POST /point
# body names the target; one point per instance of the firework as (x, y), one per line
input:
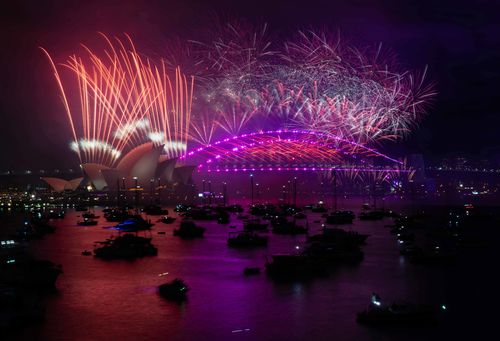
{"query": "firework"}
(329, 87)
(234, 64)
(314, 81)
(349, 98)
(124, 100)
(204, 125)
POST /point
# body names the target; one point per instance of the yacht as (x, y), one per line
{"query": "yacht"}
(175, 290)
(127, 246)
(189, 230)
(246, 239)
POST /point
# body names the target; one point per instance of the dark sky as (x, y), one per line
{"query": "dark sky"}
(459, 40)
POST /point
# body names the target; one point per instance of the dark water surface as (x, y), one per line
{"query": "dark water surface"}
(117, 300)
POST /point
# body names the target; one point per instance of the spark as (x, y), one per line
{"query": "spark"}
(124, 99)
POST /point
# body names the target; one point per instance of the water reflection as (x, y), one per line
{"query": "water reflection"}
(102, 300)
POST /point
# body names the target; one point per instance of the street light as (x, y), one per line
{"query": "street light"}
(136, 189)
(335, 189)
(210, 192)
(125, 197)
(295, 191)
(151, 190)
(203, 191)
(159, 191)
(117, 192)
(251, 185)
(289, 192)
(224, 192)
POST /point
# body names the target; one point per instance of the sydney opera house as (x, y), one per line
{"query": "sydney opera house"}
(139, 167)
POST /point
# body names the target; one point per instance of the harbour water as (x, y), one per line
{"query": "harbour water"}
(117, 300)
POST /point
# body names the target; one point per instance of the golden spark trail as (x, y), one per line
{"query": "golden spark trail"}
(122, 100)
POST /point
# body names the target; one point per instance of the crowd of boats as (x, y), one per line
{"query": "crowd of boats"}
(25, 280)
(422, 238)
(425, 238)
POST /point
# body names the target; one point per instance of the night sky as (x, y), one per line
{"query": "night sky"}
(458, 40)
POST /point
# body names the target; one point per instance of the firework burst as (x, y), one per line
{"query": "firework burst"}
(124, 100)
(245, 84)
(327, 86)
(315, 81)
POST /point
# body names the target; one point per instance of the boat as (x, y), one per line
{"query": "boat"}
(319, 208)
(340, 236)
(200, 213)
(290, 227)
(246, 239)
(251, 271)
(25, 272)
(262, 209)
(10, 248)
(154, 210)
(295, 265)
(340, 218)
(90, 215)
(167, 220)
(234, 208)
(35, 229)
(254, 224)
(189, 230)
(86, 222)
(175, 290)
(371, 215)
(397, 313)
(117, 215)
(133, 224)
(126, 246)
(300, 215)
(86, 253)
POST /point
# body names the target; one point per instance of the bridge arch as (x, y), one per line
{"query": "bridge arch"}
(289, 150)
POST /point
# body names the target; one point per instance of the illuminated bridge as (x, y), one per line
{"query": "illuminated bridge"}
(289, 150)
